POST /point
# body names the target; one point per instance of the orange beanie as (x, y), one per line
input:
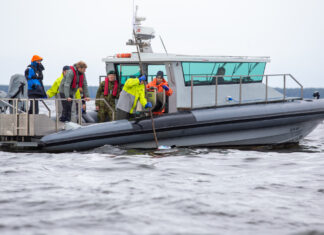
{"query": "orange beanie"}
(36, 57)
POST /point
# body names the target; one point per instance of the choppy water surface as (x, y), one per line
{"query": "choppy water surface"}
(186, 191)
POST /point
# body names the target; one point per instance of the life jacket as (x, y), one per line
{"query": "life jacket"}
(81, 77)
(114, 90)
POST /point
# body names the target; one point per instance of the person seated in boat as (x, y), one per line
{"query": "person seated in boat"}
(108, 90)
(220, 80)
(73, 80)
(161, 84)
(54, 90)
(133, 90)
(34, 76)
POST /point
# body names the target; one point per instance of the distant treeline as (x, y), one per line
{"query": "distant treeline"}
(291, 92)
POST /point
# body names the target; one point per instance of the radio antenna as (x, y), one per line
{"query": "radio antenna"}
(133, 14)
(163, 45)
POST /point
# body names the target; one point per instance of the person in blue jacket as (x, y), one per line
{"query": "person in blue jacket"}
(34, 76)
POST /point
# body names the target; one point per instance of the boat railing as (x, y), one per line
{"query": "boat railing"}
(79, 107)
(241, 79)
(19, 107)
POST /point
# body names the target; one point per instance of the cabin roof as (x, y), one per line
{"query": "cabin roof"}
(162, 57)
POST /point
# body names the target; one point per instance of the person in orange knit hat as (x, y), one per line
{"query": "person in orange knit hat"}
(34, 76)
(160, 83)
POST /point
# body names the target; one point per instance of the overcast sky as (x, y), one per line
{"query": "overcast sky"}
(63, 32)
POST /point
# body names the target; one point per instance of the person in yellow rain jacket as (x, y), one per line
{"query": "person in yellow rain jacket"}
(133, 90)
(54, 90)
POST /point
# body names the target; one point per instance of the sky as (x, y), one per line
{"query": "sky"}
(63, 32)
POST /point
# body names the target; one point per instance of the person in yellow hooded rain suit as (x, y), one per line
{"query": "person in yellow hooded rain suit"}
(133, 90)
(54, 90)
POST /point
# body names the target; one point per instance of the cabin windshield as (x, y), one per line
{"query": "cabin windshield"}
(125, 71)
(203, 73)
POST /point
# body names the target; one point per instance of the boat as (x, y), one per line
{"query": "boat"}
(217, 101)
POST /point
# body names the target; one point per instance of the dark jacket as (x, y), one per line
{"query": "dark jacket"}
(34, 76)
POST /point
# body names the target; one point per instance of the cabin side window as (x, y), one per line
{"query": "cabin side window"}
(153, 69)
(203, 73)
(125, 71)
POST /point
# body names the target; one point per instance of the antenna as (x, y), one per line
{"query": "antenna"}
(133, 14)
(163, 45)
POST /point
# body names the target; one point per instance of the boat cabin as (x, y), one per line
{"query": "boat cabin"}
(199, 81)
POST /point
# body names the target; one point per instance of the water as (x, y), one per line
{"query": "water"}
(180, 191)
